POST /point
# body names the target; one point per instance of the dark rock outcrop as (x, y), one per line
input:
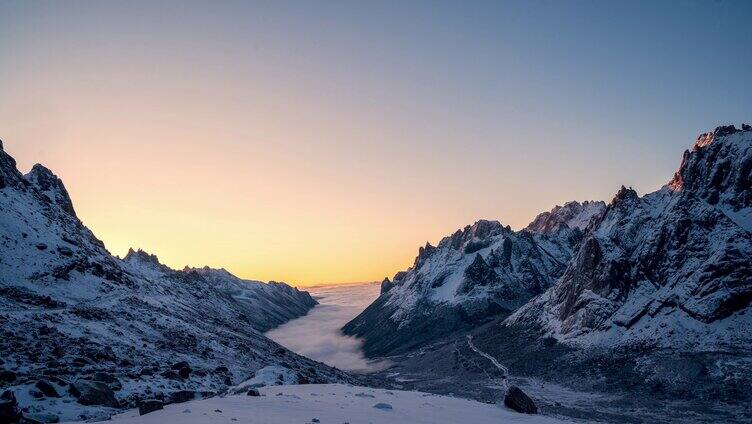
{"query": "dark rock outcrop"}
(184, 372)
(46, 388)
(518, 400)
(386, 285)
(479, 273)
(9, 410)
(149, 405)
(51, 186)
(93, 393)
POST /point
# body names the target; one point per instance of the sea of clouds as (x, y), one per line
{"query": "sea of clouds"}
(317, 335)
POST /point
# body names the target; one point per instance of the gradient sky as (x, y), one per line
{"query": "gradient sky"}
(318, 142)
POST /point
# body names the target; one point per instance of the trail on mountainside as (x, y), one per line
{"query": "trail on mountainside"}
(497, 364)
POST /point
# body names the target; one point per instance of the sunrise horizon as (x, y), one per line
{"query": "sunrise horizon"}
(174, 261)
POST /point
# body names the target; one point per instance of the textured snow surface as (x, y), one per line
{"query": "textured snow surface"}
(334, 404)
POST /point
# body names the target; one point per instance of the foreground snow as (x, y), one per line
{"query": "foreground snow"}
(333, 403)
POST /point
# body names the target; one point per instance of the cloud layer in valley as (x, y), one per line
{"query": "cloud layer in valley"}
(317, 335)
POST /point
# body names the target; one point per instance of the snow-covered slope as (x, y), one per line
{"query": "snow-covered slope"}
(481, 272)
(79, 318)
(671, 269)
(334, 403)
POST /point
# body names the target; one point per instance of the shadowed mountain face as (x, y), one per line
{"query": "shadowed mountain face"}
(670, 269)
(482, 272)
(105, 332)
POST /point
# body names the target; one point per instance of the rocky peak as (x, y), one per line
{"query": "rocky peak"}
(572, 215)
(480, 230)
(423, 253)
(9, 175)
(624, 195)
(705, 139)
(723, 130)
(208, 271)
(140, 256)
(51, 186)
(719, 168)
(386, 285)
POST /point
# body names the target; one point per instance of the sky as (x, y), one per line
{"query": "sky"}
(323, 142)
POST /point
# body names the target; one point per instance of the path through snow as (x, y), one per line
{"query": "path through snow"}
(497, 364)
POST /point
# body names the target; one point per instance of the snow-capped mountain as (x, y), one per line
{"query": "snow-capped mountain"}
(83, 333)
(479, 273)
(670, 269)
(279, 301)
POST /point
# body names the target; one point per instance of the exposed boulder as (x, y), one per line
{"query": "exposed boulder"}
(253, 392)
(184, 372)
(149, 405)
(9, 410)
(519, 401)
(46, 388)
(93, 393)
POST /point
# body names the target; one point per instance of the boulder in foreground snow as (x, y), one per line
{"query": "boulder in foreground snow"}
(93, 393)
(519, 401)
(149, 405)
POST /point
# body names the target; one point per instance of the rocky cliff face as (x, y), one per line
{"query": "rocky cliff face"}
(83, 333)
(670, 269)
(481, 272)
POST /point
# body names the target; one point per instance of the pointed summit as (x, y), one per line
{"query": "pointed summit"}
(51, 186)
(386, 285)
(141, 256)
(717, 169)
(624, 194)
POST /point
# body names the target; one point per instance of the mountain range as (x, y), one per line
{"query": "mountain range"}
(86, 334)
(646, 298)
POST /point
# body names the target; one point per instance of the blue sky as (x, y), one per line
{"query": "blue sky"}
(359, 118)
